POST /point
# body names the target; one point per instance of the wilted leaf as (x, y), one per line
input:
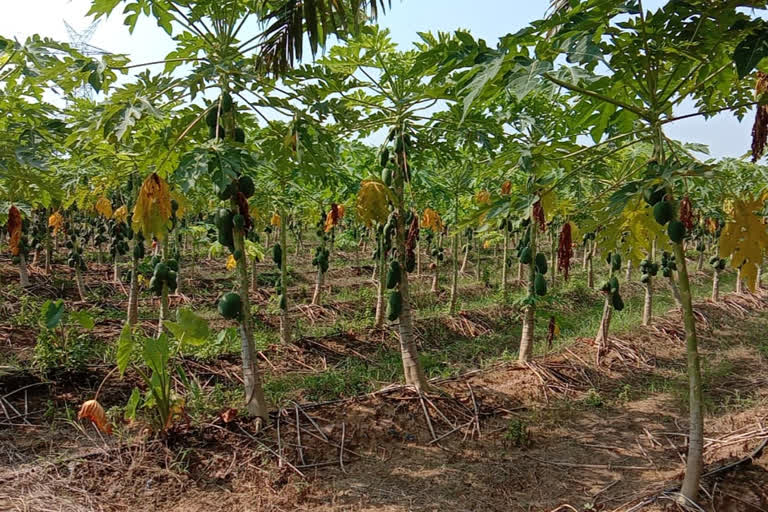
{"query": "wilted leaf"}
(14, 229)
(92, 410)
(744, 238)
(430, 219)
(104, 207)
(372, 202)
(153, 208)
(56, 221)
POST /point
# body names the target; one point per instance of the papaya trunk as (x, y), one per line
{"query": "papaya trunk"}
(529, 315)
(36, 257)
(380, 285)
(455, 276)
(133, 294)
(758, 278)
(628, 275)
(585, 256)
(23, 273)
(739, 284)
(319, 283)
(648, 302)
(418, 258)
(478, 250)
(590, 270)
(504, 266)
(48, 255)
(414, 373)
(553, 261)
(716, 285)
(436, 279)
(694, 463)
(116, 270)
(79, 282)
(700, 262)
(675, 291)
(254, 280)
(285, 325)
(163, 309)
(466, 257)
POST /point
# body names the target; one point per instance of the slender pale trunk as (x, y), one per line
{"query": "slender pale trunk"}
(585, 256)
(285, 324)
(504, 266)
(739, 284)
(436, 278)
(133, 294)
(36, 257)
(79, 282)
(414, 372)
(553, 261)
(628, 275)
(675, 291)
(23, 273)
(254, 280)
(695, 462)
(116, 269)
(466, 256)
(48, 255)
(758, 278)
(418, 258)
(380, 284)
(254, 394)
(648, 301)
(529, 314)
(605, 322)
(455, 277)
(700, 262)
(716, 285)
(590, 265)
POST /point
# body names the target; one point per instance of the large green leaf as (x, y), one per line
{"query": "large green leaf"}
(52, 313)
(124, 348)
(189, 327)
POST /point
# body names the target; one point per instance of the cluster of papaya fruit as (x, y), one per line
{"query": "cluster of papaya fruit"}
(165, 272)
(717, 263)
(526, 257)
(388, 156)
(649, 269)
(75, 256)
(664, 212)
(668, 264)
(121, 233)
(321, 259)
(277, 258)
(395, 302)
(612, 285)
(213, 119)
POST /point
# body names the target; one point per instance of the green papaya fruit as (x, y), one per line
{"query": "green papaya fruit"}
(663, 212)
(541, 263)
(616, 262)
(714, 260)
(238, 254)
(173, 265)
(211, 117)
(386, 176)
(246, 186)
(394, 306)
(526, 256)
(277, 255)
(238, 221)
(540, 284)
(240, 135)
(721, 265)
(393, 275)
(161, 271)
(617, 302)
(613, 284)
(654, 194)
(384, 158)
(226, 102)
(676, 231)
(283, 301)
(230, 305)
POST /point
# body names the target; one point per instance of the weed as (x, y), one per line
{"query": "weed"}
(593, 398)
(517, 434)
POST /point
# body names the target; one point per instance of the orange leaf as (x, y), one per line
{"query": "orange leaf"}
(229, 415)
(92, 410)
(14, 229)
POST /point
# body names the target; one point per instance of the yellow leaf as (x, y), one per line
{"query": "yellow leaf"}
(14, 229)
(121, 214)
(548, 204)
(104, 207)
(372, 202)
(181, 201)
(487, 244)
(153, 208)
(430, 219)
(231, 263)
(56, 221)
(275, 220)
(744, 238)
(483, 197)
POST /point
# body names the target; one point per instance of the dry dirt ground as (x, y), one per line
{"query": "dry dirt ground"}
(562, 433)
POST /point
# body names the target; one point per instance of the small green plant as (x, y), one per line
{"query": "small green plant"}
(593, 398)
(517, 434)
(60, 345)
(151, 359)
(625, 395)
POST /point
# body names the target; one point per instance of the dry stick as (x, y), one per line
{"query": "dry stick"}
(449, 422)
(300, 448)
(330, 443)
(426, 415)
(477, 411)
(273, 452)
(341, 450)
(279, 441)
(589, 466)
(311, 421)
(470, 422)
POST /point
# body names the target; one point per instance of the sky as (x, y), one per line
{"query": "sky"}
(487, 19)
